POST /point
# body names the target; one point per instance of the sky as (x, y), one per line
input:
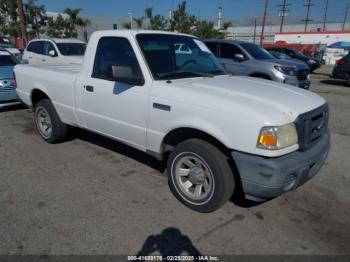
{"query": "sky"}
(232, 9)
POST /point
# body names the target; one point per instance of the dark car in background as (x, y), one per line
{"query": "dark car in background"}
(296, 54)
(341, 69)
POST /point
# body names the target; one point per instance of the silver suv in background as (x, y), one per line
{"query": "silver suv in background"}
(248, 59)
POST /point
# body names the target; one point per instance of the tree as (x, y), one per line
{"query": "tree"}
(126, 25)
(8, 14)
(36, 18)
(73, 21)
(22, 19)
(66, 25)
(156, 22)
(205, 29)
(182, 21)
(139, 22)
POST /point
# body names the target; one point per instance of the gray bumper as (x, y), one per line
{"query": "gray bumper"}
(265, 178)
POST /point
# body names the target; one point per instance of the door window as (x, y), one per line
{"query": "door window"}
(36, 47)
(115, 51)
(48, 47)
(229, 51)
(212, 46)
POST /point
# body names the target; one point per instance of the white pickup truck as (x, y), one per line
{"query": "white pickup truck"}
(224, 133)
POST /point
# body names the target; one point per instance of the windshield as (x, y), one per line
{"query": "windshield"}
(256, 51)
(176, 56)
(71, 49)
(5, 43)
(7, 60)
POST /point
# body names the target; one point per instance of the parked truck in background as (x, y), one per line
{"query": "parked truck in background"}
(224, 133)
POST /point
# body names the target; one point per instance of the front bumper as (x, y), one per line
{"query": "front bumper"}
(264, 178)
(293, 80)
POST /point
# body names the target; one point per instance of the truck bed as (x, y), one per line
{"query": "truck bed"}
(57, 81)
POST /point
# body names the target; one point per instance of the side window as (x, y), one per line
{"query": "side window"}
(212, 46)
(115, 54)
(48, 47)
(36, 47)
(229, 51)
(30, 47)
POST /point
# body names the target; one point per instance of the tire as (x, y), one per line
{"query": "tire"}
(200, 176)
(48, 123)
(348, 80)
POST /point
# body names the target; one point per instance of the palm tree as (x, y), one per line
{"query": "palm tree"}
(73, 21)
(126, 25)
(139, 22)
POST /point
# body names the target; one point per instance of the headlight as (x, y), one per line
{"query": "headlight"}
(312, 61)
(277, 137)
(286, 70)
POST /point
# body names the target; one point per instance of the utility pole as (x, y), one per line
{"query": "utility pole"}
(283, 13)
(346, 15)
(307, 20)
(263, 23)
(22, 20)
(254, 36)
(325, 16)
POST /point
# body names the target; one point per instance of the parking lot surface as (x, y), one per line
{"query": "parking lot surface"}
(92, 195)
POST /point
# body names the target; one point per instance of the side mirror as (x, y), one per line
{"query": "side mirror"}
(124, 74)
(24, 61)
(239, 57)
(52, 53)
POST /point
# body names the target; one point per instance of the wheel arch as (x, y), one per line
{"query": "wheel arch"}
(37, 95)
(180, 134)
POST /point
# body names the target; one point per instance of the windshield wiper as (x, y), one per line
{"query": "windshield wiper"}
(179, 73)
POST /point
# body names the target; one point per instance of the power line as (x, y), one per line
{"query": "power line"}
(283, 12)
(307, 20)
(325, 16)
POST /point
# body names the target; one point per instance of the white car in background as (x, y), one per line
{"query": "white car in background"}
(6, 44)
(55, 51)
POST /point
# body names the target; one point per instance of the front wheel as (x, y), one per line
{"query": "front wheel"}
(48, 123)
(200, 176)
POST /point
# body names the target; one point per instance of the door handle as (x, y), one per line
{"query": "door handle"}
(43, 60)
(89, 88)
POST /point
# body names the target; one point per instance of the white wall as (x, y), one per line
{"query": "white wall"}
(313, 38)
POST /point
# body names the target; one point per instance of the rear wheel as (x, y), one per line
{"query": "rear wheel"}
(348, 80)
(200, 176)
(47, 122)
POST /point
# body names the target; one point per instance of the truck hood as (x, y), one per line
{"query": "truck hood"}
(268, 101)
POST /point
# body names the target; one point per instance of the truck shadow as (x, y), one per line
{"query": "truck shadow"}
(117, 147)
(237, 198)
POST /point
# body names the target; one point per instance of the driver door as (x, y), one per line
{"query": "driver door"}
(115, 109)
